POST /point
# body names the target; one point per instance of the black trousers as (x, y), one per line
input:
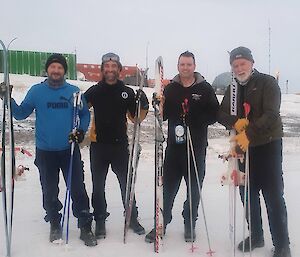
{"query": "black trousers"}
(175, 168)
(102, 155)
(265, 168)
(49, 164)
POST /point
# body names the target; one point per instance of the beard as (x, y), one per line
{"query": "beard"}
(243, 78)
(55, 78)
(111, 76)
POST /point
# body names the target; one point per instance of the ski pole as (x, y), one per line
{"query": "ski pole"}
(185, 108)
(190, 142)
(129, 169)
(76, 103)
(247, 193)
(190, 149)
(133, 158)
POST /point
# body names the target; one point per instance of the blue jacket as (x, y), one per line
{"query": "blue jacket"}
(54, 114)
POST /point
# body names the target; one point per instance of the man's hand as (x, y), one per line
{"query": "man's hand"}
(242, 140)
(241, 125)
(77, 136)
(143, 99)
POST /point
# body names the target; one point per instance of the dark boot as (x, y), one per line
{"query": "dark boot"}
(189, 235)
(87, 236)
(282, 252)
(55, 231)
(150, 237)
(256, 242)
(137, 227)
(100, 231)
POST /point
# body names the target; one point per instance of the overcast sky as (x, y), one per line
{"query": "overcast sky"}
(209, 28)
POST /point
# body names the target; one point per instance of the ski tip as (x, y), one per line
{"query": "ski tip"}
(159, 59)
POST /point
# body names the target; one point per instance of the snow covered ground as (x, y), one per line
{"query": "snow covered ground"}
(30, 232)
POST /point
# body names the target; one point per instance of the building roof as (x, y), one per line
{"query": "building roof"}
(92, 72)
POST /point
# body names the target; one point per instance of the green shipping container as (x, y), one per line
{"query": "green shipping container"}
(33, 63)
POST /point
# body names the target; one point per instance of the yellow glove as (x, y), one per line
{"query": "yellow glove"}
(242, 140)
(241, 125)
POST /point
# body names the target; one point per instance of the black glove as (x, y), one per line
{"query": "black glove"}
(143, 99)
(77, 136)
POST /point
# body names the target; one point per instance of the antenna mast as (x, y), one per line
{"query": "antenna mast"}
(269, 48)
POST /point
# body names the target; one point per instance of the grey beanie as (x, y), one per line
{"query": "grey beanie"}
(241, 52)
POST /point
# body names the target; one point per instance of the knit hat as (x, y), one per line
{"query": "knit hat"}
(111, 57)
(241, 53)
(59, 58)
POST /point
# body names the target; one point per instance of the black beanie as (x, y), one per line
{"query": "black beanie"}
(241, 53)
(57, 58)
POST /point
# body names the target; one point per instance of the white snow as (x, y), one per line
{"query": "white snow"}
(30, 232)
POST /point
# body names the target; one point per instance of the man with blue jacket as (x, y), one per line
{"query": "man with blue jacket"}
(52, 101)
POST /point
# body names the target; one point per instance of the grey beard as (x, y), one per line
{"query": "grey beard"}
(243, 83)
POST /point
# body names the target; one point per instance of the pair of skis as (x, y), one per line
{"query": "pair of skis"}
(134, 155)
(8, 166)
(159, 140)
(234, 177)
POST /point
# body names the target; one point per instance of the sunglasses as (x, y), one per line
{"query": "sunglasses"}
(110, 57)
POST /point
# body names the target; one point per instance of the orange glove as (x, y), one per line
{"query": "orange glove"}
(241, 125)
(242, 141)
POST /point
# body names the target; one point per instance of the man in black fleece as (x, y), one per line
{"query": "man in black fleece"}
(112, 102)
(191, 89)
